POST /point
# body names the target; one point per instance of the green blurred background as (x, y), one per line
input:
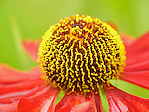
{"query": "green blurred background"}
(29, 19)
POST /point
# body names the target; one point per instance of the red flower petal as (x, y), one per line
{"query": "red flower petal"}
(138, 58)
(78, 103)
(10, 75)
(140, 78)
(11, 93)
(138, 51)
(16, 83)
(9, 107)
(120, 101)
(140, 45)
(25, 85)
(43, 101)
(87, 106)
(68, 102)
(138, 66)
(127, 40)
(12, 97)
(31, 47)
(92, 104)
(98, 102)
(137, 61)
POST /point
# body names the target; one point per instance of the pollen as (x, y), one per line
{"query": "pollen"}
(81, 54)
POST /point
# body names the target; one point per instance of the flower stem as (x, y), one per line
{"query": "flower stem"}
(18, 43)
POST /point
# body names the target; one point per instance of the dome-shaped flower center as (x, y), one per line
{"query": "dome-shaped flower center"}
(80, 54)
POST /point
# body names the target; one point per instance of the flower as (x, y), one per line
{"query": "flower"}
(23, 91)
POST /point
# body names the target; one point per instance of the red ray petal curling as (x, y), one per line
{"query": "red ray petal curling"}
(78, 103)
(120, 101)
(87, 106)
(68, 102)
(92, 104)
(31, 47)
(140, 78)
(43, 101)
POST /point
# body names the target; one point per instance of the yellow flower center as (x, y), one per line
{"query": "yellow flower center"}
(80, 54)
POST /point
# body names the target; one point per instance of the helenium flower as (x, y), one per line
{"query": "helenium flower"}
(78, 55)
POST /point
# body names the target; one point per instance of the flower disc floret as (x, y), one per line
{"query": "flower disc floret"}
(80, 54)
